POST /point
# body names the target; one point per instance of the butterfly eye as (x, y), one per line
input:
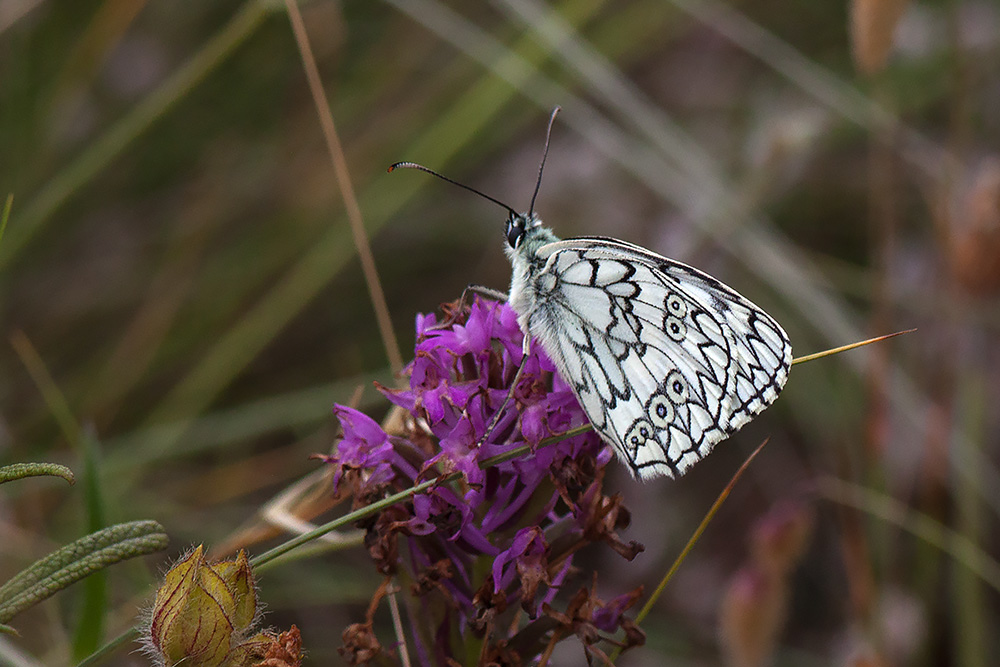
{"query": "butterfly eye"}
(515, 230)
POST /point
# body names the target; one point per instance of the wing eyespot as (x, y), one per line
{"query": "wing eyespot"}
(676, 388)
(638, 435)
(660, 411)
(675, 328)
(675, 305)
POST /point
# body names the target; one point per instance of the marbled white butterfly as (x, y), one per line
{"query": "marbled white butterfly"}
(665, 360)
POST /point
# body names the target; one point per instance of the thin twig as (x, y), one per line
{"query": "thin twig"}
(346, 188)
(397, 625)
(494, 460)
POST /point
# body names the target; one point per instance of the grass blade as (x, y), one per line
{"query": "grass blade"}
(958, 546)
(845, 348)
(697, 535)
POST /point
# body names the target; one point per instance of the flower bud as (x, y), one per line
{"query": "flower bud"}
(239, 580)
(203, 613)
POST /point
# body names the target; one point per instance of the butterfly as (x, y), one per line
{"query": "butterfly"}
(665, 360)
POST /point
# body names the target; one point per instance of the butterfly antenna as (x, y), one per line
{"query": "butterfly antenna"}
(545, 154)
(414, 165)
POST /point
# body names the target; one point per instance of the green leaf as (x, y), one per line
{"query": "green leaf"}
(75, 561)
(22, 470)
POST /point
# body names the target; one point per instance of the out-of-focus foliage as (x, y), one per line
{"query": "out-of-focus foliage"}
(178, 254)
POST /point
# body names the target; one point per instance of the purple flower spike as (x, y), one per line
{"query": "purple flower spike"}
(480, 547)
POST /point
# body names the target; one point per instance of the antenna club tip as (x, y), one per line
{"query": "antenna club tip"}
(405, 165)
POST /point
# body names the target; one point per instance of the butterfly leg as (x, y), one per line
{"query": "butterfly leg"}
(487, 292)
(525, 348)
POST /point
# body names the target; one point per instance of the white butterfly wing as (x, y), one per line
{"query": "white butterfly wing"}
(665, 360)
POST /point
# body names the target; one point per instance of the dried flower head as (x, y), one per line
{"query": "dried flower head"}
(502, 538)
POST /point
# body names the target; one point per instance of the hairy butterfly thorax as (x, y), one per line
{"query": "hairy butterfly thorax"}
(526, 265)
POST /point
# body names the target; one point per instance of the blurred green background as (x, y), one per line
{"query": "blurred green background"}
(179, 257)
